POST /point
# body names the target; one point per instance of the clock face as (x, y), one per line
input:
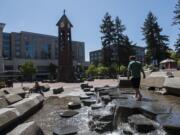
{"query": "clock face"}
(62, 25)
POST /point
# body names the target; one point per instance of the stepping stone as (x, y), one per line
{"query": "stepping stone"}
(90, 86)
(126, 132)
(84, 97)
(170, 122)
(106, 99)
(58, 90)
(102, 93)
(74, 105)
(103, 126)
(92, 90)
(103, 114)
(86, 89)
(68, 113)
(128, 92)
(90, 93)
(29, 128)
(88, 102)
(96, 106)
(46, 88)
(153, 109)
(140, 123)
(65, 130)
(98, 89)
(119, 97)
(84, 85)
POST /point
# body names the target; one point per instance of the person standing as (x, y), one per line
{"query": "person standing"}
(135, 69)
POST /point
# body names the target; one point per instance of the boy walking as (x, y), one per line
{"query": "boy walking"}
(135, 69)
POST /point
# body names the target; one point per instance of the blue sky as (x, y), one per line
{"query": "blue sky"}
(41, 16)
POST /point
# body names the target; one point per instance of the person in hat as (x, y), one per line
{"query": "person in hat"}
(135, 69)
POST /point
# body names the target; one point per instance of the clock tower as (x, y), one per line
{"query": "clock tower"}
(65, 62)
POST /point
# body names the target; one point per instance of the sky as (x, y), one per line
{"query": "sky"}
(41, 16)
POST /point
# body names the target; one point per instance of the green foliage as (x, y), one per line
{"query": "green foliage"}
(177, 45)
(91, 70)
(28, 69)
(175, 56)
(177, 14)
(176, 21)
(107, 29)
(102, 70)
(157, 44)
(113, 35)
(2, 84)
(123, 69)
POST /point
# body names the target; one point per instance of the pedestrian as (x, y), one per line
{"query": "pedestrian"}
(37, 89)
(135, 69)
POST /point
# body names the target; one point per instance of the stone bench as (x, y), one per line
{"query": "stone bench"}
(28, 104)
(12, 98)
(3, 102)
(172, 85)
(7, 117)
(2, 93)
(29, 128)
(153, 82)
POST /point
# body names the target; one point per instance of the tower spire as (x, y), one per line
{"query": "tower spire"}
(64, 11)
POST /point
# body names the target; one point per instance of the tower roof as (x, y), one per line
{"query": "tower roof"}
(64, 19)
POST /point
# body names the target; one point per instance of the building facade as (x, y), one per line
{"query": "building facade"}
(97, 56)
(17, 48)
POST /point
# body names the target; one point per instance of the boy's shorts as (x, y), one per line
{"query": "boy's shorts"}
(135, 82)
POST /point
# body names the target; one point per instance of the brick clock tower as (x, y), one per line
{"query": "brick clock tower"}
(65, 62)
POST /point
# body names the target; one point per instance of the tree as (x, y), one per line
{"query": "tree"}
(92, 71)
(177, 14)
(157, 44)
(107, 29)
(127, 50)
(123, 45)
(119, 38)
(28, 69)
(102, 70)
(52, 70)
(177, 46)
(177, 22)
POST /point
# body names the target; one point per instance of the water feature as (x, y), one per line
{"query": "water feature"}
(122, 106)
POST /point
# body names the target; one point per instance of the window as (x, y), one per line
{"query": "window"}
(30, 51)
(6, 45)
(46, 51)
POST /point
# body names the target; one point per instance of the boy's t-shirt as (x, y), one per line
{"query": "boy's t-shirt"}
(135, 68)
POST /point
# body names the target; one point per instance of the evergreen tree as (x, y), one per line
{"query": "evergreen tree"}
(157, 48)
(177, 22)
(127, 50)
(177, 14)
(107, 29)
(177, 46)
(119, 39)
